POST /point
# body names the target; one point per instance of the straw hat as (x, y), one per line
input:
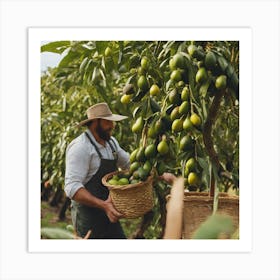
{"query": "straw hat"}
(101, 111)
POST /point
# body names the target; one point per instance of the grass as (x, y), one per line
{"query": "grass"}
(49, 217)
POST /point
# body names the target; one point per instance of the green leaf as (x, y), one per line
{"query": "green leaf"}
(184, 156)
(203, 163)
(229, 71)
(168, 84)
(182, 47)
(94, 74)
(136, 111)
(56, 47)
(56, 233)
(164, 63)
(169, 109)
(83, 64)
(88, 46)
(213, 227)
(134, 59)
(101, 46)
(222, 63)
(139, 95)
(103, 62)
(64, 104)
(198, 109)
(131, 79)
(120, 53)
(204, 87)
(154, 105)
(102, 74)
(168, 47)
(68, 59)
(89, 65)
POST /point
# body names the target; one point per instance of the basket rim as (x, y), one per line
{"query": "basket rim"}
(195, 196)
(123, 187)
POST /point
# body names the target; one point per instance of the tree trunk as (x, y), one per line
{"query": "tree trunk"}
(207, 135)
(45, 192)
(139, 232)
(65, 206)
(162, 205)
(57, 197)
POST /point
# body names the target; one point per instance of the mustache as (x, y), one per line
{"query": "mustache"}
(104, 134)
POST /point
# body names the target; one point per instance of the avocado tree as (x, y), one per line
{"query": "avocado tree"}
(182, 99)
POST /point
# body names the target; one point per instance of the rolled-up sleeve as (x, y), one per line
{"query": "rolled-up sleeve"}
(76, 169)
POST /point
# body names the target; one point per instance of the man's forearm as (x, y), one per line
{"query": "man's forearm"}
(84, 197)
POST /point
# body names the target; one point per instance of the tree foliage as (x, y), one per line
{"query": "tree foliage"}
(103, 71)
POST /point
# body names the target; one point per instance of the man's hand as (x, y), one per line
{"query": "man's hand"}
(111, 211)
(83, 196)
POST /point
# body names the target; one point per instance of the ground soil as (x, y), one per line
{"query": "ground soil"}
(50, 216)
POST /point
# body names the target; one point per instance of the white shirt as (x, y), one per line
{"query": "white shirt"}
(83, 161)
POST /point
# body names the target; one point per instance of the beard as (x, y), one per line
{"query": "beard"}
(103, 134)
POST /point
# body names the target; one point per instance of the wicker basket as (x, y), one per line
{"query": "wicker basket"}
(132, 200)
(198, 206)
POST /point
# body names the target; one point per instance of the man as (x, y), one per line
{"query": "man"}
(89, 157)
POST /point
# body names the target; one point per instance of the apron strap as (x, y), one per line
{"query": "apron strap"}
(97, 150)
(114, 149)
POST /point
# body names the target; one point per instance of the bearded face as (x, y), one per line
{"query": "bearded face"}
(104, 129)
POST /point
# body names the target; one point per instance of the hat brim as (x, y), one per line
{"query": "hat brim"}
(113, 117)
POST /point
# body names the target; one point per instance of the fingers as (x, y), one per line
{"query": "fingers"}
(111, 211)
(88, 234)
(76, 236)
(116, 213)
(114, 217)
(168, 177)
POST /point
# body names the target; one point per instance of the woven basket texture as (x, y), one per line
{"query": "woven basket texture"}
(132, 200)
(198, 206)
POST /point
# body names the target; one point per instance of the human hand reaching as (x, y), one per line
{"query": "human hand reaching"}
(168, 177)
(174, 217)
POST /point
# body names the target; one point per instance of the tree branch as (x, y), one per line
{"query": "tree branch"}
(207, 133)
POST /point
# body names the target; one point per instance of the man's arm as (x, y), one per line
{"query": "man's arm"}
(86, 198)
(77, 163)
(78, 159)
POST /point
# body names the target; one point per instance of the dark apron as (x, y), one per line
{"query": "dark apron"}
(90, 218)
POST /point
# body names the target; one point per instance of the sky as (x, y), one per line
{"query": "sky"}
(49, 59)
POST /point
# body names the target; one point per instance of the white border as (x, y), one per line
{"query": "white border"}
(36, 35)
(263, 16)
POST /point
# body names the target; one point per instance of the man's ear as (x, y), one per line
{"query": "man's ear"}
(93, 124)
